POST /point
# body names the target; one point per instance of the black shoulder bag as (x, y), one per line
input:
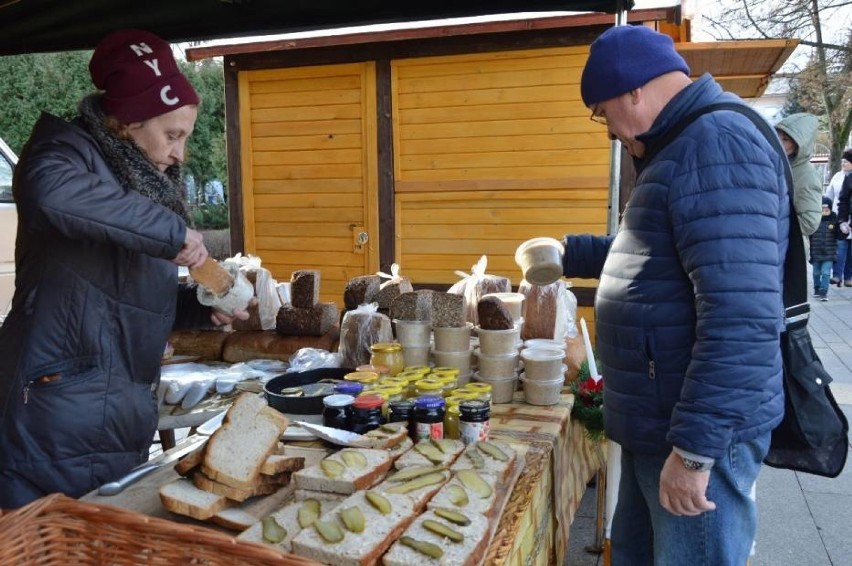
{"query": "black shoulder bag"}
(813, 436)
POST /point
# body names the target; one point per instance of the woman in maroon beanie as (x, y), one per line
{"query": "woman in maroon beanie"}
(102, 229)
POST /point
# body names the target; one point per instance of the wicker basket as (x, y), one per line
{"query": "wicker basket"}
(58, 530)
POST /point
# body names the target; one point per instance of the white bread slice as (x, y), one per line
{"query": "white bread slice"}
(420, 496)
(278, 463)
(189, 462)
(475, 503)
(415, 458)
(358, 549)
(183, 498)
(468, 552)
(234, 519)
(491, 465)
(249, 434)
(304, 494)
(386, 436)
(265, 486)
(352, 478)
(286, 517)
(400, 449)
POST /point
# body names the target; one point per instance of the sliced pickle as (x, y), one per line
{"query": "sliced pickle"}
(391, 428)
(329, 531)
(457, 495)
(492, 450)
(414, 472)
(427, 548)
(432, 454)
(332, 468)
(452, 516)
(308, 513)
(417, 483)
(272, 531)
(353, 519)
(474, 482)
(476, 459)
(443, 530)
(354, 460)
(379, 501)
(445, 445)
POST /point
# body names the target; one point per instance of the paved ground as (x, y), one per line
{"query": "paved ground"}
(804, 520)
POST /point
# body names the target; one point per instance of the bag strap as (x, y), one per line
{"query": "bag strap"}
(795, 291)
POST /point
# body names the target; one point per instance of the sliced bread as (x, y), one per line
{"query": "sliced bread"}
(345, 471)
(234, 519)
(400, 449)
(465, 493)
(288, 518)
(350, 548)
(186, 465)
(431, 452)
(386, 436)
(265, 486)
(183, 498)
(304, 494)
(467, 550)
(278, 463)
(249, 434)
(490, 457)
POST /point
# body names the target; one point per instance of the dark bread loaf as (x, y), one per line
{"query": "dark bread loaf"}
(448, 310)
(415, 305)
(314, 321)
(389, 291)
(208, 344)
(360, 290)
(304, 288)
(493, 314)
(360, 329)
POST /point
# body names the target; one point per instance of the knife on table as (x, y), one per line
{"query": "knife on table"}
(202, 433)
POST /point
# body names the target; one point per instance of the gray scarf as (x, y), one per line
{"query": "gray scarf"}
(131, 166)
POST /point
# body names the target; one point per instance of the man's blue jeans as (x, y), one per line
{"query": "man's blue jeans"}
(643, 533)
(842, 268)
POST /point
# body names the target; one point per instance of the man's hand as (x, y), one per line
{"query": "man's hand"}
(682, 491)
(220, 318)
(193, 253)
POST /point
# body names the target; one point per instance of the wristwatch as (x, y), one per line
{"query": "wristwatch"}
(696, 466)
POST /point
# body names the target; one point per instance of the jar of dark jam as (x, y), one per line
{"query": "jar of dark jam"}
(474, 420)
(367, 413)
(428, 417)
(352, 388)
(401, 412)
(337, 411)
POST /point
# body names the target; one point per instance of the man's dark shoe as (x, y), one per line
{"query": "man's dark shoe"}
(847, 283)
(834, 280)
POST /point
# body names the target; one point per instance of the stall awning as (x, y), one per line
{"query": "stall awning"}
(30, 26)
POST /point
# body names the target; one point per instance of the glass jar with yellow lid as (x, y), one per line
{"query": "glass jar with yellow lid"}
(446, 369)
(395, 380)
(451, 421)
(388, 354)
(381, 370)
(483, 390)
(366, 378)
(422, 370)
(428, 386)
(411, 377)
(463, 394)
(449, 380)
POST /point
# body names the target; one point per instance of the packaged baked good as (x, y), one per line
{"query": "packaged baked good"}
(360, 290)
(360, 329)
(395, 285)
(472, 287)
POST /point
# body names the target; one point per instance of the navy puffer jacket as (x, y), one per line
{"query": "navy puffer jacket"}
(689, 308)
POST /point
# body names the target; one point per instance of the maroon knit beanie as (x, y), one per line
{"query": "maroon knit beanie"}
(139, 76)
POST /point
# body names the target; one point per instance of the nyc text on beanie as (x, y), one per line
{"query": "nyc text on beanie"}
(624, 58)
(139, 77)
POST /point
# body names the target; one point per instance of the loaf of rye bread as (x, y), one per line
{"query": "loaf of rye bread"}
(304, 288)
(208, 344)
(540, 309)
(360, 329)
(448, 310)
(415, 305)
(245, 345)
(361, 290)
(313, 321)
(391, 290)
(493, 314)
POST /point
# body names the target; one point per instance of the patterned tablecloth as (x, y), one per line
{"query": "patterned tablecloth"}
(561, 460)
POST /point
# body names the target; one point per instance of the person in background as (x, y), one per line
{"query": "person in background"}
(102, 229)
(689, 308)
(824, 249)
(844, 208)
(842, 268)
(798, 136)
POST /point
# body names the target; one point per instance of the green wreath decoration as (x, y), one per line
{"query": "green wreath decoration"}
(588, 403)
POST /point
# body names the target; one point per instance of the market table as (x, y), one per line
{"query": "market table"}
(535, 523)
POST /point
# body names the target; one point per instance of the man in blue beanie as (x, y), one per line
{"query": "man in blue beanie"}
(689, 307)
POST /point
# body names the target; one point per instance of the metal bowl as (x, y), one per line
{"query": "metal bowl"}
(296, 393)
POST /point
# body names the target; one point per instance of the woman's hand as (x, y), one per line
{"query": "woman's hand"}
(193, 253)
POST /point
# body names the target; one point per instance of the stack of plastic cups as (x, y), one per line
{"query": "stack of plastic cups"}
(498, 362)
(543, 376)
(415, 336)
(452, 349)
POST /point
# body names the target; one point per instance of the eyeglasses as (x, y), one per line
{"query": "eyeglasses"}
(599, 118)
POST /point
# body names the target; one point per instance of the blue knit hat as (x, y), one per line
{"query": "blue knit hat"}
(625, 58)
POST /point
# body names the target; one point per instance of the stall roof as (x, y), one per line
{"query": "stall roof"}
(32, 26)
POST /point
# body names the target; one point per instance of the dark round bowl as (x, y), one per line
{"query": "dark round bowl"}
(311, 405)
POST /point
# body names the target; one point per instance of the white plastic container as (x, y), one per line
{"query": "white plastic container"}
(502, 390)
(414, 333)
(415, 356)
(548, 343)
(498, 342)
(540, 260)
(542, 392)
(460, 360)
(452, 338)
(542, 364)
(514, 303)
(497, 367)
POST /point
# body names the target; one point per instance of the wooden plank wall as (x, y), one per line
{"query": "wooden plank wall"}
(492, 149)
(309, 163)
